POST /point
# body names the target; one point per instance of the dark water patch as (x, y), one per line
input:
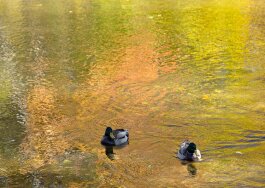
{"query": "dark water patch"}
(41, 180)
(255, 131)
(225, 148)
(253, 139)
(72, 168)
(240, 146)
(260, 79)
(253, 136)
(11, 133)
(256, 182)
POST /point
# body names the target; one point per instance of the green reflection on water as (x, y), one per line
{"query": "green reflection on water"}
(166, 70)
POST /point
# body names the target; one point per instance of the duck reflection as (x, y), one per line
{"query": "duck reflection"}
(192, 170)
(109, 152)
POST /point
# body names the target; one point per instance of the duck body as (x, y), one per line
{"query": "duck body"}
(116, 137)
(188, 151)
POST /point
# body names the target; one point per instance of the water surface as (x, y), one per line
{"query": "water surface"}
(166, 70)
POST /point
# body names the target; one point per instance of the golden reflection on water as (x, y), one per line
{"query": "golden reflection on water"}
(166, 71)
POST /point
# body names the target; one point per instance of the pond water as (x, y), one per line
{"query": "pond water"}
(166, 70)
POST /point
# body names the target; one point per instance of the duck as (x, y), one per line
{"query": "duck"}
(118, 137)
(188, 151)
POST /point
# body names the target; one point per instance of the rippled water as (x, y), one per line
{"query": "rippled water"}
(166, 70)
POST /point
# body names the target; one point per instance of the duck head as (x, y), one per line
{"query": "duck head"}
(108, 131)
(190, 151)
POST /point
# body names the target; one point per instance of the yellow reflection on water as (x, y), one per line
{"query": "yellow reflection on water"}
(165, 70)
